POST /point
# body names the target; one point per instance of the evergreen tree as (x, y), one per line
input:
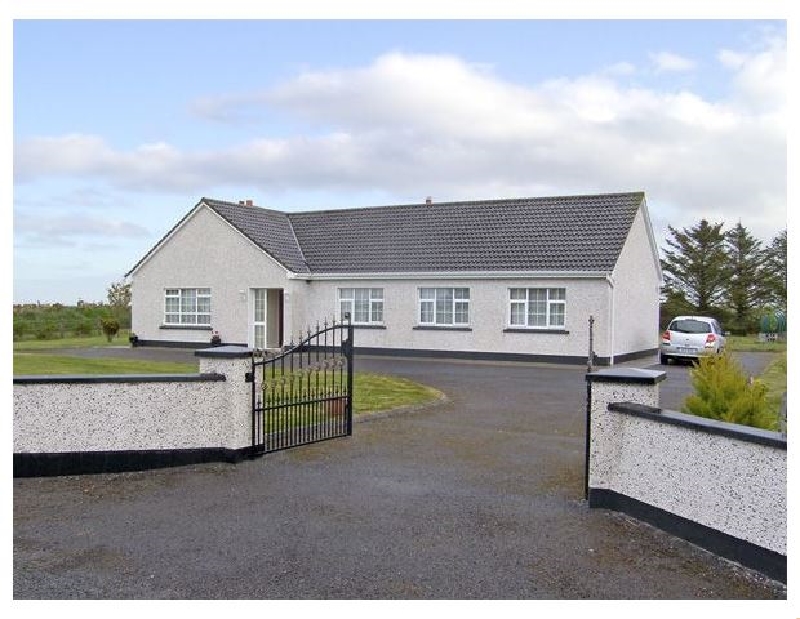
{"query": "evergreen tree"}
(775, 271)
(696, 265)
(745, 287)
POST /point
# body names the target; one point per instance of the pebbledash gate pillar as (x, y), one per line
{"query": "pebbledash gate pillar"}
(235, 422)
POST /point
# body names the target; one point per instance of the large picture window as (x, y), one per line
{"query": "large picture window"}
(444, 306)
(537, 307)
(365, 305)
(187, 306)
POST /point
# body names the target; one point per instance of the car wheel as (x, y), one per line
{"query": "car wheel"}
(664, 360)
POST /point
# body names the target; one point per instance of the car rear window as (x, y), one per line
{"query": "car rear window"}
(690, 326)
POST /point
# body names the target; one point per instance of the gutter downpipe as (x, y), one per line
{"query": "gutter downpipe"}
(610, 280)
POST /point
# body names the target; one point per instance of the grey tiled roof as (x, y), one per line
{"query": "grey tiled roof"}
(575, 233)
(270, 230)
(563, 233)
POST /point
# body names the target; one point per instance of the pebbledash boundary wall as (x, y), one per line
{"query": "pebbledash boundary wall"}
(73, 425)
(719, 485)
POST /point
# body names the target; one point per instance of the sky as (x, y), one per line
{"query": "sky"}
(121, 126)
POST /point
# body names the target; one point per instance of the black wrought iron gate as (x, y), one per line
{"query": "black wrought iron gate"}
(304, 393)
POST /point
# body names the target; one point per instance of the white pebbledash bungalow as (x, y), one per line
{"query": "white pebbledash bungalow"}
(511, 279)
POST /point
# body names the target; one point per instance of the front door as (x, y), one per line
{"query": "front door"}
(259, 318)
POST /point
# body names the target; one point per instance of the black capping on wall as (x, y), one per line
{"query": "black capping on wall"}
(768, 562)
(117, 378)
(627, 375)
(437, 354)
(93, 462)
(229, 351)
(171, 344)
(701, 424)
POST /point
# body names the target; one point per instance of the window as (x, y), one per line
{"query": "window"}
(537, 307)
(444, 306)
(365, 305)
(187, 306)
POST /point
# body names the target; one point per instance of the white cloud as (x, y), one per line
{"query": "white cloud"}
(759, 76)
(417, 125)
(63, 230)
(668, 61)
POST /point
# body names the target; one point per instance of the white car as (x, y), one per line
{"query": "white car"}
(689, 337)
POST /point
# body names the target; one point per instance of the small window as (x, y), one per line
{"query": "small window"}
(537, 308)
(365, 305)
(187, 306)
(444, 306)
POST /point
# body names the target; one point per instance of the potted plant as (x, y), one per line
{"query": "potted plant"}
(216, 340)
(336, 407)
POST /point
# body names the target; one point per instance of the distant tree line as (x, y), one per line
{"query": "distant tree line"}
(51, 321)
(729, 275)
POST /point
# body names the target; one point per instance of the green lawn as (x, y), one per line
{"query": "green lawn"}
(376, 392)
(774, 377)
(750, 343)
(37, 363)
(73, 342)
(371, 392)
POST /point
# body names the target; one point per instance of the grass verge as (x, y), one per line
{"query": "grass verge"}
(774, 377)
(371, 392)
(73, 342)
(750, 343)
(377, 392)
(31, 363)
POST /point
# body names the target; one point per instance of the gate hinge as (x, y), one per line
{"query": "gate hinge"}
(248, 377)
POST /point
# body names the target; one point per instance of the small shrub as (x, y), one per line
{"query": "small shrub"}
(21, 327)
(723, 392)
(110, 327)
(46, 331)
(83, 329)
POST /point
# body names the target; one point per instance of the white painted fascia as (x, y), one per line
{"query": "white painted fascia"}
(185, 220)
(442, 275)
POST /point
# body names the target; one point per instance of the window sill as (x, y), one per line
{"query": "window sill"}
(532, 330)
(187, 327)
(440, 328)
(357, 326)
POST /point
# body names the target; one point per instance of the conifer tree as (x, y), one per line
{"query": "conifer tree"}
(744, 290)
(775, 271)
(722, 391)
(696, 265)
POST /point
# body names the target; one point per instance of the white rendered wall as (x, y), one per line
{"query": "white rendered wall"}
(61, 417)
(731, 485)
(636, 293)
(206, 253)
(488, 314)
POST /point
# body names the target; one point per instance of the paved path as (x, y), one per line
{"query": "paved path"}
(480, 497)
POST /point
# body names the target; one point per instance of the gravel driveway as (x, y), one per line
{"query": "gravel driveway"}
(480, 497)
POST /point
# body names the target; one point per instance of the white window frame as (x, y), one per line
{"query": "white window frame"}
(376, 305)
(256, 294)
(463, 300)
(550, 303)
(185, 317)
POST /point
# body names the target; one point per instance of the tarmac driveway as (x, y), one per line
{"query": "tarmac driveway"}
(479, 497)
